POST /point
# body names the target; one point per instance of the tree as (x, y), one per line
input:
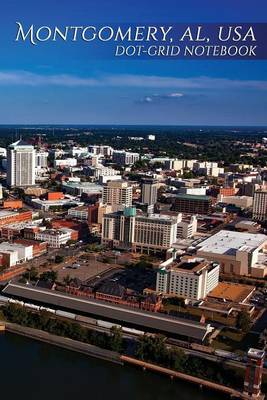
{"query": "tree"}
(30, 274)
(243, 321)
(49, 276)
(116, 340)
(175, 301)
(67, 280)
(59, 259)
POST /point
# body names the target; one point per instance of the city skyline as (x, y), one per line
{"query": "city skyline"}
(62, 83)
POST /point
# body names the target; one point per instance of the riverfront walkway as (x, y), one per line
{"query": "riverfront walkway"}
(66, 343)
(192, 379)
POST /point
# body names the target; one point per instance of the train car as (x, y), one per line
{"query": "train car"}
(4, 299)
(13, 301)
(86, 320)
(105, 324)
(204, 349)
(227, 355)
(65, 314)
(49, 310)
(32, 306)
(132, 331)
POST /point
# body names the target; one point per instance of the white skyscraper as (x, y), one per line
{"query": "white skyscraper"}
(20, 164)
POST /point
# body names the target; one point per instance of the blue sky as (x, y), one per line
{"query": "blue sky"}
(66, 84)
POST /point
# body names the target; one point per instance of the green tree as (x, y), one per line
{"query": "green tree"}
(59, 259)
(116, 340)
(243, 321)
(49, 276)
(30, 273)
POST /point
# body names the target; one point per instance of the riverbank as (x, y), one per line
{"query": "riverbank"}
(114, 357)
(66, 343)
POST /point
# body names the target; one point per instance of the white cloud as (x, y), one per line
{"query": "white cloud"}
(126, 80)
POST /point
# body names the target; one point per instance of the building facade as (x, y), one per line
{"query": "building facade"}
(260, 205)
(124, 157)
(20, 164)
(192, 278)
(117, 193)
(149, 191)
(144, 233)
(192, 204)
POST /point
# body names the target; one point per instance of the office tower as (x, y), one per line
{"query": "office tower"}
(118, 194)
(149, 191)
(20, 164)
(260, 205)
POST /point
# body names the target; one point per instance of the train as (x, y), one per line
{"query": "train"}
(226, 355)
(72, 316)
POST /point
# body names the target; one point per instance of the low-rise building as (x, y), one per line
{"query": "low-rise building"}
(17, 253)
(78, 188)
(238, 201)
(238, 253)
(79, 212)
(8, 216)
(54, 237)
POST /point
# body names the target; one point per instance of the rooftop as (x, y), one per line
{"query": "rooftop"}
(192, 197)
(256, 353)
(192, 264)
(229, 242)
(131, 317)
(233, 292)
(5, 213)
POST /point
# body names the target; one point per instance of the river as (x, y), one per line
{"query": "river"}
(35, 370)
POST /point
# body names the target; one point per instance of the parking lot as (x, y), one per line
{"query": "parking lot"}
(82, 269)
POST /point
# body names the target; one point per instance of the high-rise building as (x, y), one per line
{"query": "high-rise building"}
(20, 164)
(186, 229)
(144, 233)
(41, 159)
(149, 191)
(118, 194)
(192, 278)
(154, 232)
(118, 228)
(260, 205)
(192, 204)
(253, 375)
(123, 157)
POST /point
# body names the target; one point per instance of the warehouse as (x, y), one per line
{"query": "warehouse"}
(154, 322)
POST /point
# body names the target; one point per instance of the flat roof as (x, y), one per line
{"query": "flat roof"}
(150, 320)
(234, 292)
(192, 197)
(5, 213)
(228, 242)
